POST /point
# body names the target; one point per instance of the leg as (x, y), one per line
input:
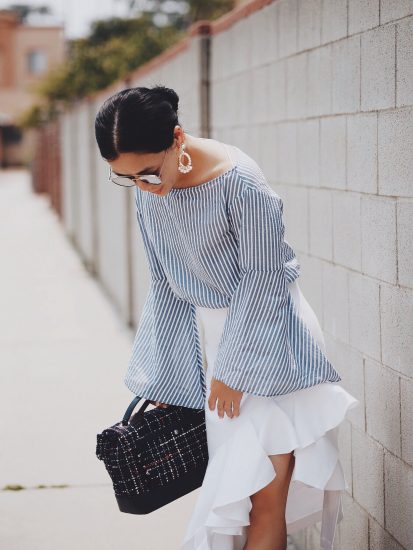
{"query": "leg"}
(268, 530)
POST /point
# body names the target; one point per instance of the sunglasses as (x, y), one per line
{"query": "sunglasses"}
(125, 181)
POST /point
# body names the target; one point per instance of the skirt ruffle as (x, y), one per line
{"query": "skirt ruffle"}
(305, 422)
(239, 465)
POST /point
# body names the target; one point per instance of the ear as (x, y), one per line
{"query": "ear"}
(179, 136)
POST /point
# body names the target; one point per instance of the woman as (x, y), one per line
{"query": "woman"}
(226, 327)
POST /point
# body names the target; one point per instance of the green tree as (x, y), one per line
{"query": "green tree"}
(24, 10)
(113, 48)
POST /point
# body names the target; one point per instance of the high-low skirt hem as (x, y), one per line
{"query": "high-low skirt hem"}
(308, 421)
(304, 422)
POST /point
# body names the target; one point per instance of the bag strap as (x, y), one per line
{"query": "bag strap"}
(129, 410)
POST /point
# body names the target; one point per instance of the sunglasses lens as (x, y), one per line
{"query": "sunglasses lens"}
(150, 178)
(119, 180)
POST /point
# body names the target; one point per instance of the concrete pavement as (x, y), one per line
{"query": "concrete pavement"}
(63, 355)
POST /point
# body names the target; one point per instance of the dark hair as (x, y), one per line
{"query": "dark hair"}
(137, 120)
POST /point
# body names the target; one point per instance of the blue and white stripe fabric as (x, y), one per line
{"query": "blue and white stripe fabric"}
(221, 244)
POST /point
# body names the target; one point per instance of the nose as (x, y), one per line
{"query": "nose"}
(147, 186)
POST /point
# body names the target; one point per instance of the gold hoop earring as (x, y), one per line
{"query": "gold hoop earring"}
(184, 168)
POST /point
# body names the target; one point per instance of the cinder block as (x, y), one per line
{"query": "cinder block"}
(406, 390)
(268, 144)
(308, 150)
(395, 153)
(287, 27)
(333, 20)
(270, 13)
(287, 152)
(218, 50)
(395, 9)
(260, 96)
(364, 314)
(217, 103)
(321, 223)
(347, 229)
(254, 144)
(296, 103)
(241, 137)
(222, 54)
(349, 363)
(346, 75)
(264, 36)
(344, 449)
(383, 405)
(405, 242)
(368, 488)
(353, 528)
(319, 84)
(335, 302)
(396, 305)
(378, 236)
(333, 152)
(277, 91)
(379, 538)
(243, 90)
(241, 44)
(362, 152)
(309, 24)
(298, 218)
(378, 66)
(399, 499)
(311, 283)
(362, 16)
(404, 86)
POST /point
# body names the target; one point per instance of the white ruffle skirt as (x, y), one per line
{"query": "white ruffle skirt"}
(305, 421)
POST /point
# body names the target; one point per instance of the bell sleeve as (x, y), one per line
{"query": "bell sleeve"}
(164, 364)
(254, 353)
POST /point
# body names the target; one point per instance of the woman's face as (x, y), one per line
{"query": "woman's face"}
(163, 164)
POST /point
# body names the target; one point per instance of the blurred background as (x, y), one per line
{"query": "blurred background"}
(320, 94)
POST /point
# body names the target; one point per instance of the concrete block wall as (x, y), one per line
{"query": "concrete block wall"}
(99, 216)
(324, 103)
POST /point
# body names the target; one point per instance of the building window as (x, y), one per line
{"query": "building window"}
(36, 62)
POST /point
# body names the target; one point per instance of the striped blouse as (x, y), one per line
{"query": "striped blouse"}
(221, 244)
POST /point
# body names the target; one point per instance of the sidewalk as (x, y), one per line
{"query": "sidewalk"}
(63, 355)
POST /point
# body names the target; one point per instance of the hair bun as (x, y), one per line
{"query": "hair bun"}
(168, 94)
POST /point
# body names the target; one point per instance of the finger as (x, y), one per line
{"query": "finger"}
(228, 408)
(211, 402)
(221, 408)
(236, 408)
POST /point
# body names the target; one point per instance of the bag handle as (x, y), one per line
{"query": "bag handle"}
(132, 405)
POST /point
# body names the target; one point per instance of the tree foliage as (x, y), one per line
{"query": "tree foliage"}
(113, 48)
(25, 10)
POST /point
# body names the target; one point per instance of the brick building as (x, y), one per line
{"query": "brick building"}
(26, 52)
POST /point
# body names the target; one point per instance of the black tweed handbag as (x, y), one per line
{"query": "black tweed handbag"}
(154, 457)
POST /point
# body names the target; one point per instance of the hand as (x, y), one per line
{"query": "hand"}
(159, 404)
(228, 399)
